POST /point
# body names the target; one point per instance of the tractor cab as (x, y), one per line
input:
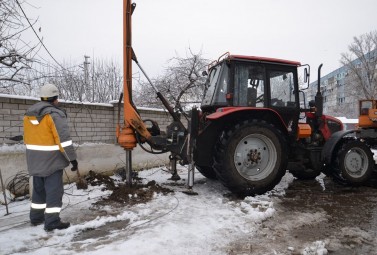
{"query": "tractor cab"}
(368, 113)
(254, 82)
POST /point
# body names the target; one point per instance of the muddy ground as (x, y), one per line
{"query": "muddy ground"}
(343, 220)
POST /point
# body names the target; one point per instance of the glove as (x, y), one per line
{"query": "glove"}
(74, 165)
(16, 138)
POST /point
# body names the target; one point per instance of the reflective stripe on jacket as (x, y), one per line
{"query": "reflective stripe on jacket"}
(48, 143)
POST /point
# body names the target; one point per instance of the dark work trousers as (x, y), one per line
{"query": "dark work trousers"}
(46, 202)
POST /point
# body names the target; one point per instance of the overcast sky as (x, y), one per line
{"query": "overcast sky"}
(309, 31)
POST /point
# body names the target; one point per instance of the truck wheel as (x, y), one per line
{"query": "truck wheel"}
(355, 162)
(251, 158)
(207, 172)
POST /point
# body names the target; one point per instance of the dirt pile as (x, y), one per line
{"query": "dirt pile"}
(137, 193)
(124, 194)
(98, 179)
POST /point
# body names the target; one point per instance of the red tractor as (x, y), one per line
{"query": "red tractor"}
(251, 126)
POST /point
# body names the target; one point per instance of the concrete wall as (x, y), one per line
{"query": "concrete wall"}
(93, 132)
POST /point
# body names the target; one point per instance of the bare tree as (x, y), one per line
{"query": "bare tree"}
(105, 82)
(99, 84)
(16, 55)
(22, 72)
(347, 109)
(181, 83)
(361, 64)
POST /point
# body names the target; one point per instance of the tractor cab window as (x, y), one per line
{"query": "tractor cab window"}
(217, 86)
(222, 87)
(365, 106)
(211, 85)
(248, 85)
(282, 88)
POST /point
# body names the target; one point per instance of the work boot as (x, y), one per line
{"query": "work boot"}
(59, 225)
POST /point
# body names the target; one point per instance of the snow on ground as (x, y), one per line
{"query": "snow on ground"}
(169, 224)
(6, 148)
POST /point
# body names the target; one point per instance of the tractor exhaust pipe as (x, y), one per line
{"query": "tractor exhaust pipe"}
(318, 96)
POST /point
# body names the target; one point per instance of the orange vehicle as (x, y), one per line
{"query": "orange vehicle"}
(348, 156)
(368, 114)
(251, 126)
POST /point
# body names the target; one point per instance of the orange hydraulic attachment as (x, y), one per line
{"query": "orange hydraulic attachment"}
(132, 120)
(126, 138)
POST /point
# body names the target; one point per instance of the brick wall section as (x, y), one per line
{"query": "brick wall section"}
(94, 123)
(90, 122)
(11, 115)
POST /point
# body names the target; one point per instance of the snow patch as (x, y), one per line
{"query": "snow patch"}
(316, 248)
(14, 148)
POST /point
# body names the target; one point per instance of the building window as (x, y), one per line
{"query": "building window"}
(341, 100)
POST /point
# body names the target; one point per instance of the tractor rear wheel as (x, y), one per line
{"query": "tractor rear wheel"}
(355, 162)
(250, 158)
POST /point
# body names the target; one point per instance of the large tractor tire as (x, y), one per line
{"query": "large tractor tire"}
(355, 163)
(250, 158)
(207, 172)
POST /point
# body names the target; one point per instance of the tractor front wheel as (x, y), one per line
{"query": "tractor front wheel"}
(355, 162)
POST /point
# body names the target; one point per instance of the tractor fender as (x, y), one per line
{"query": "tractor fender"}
(224, 112)
(331, 143)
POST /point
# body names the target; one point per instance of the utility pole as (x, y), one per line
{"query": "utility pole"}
(86, 69)
(86, 77)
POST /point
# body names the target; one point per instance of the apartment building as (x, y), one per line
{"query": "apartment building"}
(339, 97)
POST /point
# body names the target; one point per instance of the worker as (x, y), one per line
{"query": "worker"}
(49, 150)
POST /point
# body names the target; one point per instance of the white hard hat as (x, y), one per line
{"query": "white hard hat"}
(48, 91)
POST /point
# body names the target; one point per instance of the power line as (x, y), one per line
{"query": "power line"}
(38, 36)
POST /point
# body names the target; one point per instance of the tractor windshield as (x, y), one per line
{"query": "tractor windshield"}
(217, 86)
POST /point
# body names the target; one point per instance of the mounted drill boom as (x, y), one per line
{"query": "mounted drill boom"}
(134, 129)
(133, 124)
(132, 120)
